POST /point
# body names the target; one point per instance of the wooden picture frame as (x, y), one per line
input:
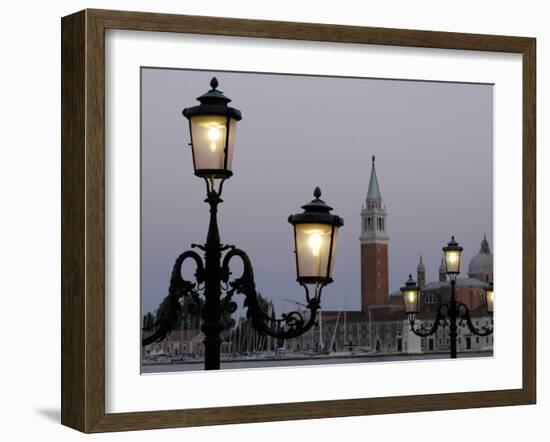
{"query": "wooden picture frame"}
(83, 220)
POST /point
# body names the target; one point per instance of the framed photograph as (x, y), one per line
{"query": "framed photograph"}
(268, 220)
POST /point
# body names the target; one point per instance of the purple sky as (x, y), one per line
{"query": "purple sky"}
(433, 146)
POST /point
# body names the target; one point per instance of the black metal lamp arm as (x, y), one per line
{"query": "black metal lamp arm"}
(290, 325)
(440, 319)
(464, 315)
(179, 287)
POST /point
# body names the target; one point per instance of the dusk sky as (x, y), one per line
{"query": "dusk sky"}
(433, 143)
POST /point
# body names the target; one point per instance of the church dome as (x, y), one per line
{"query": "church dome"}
(482, 263)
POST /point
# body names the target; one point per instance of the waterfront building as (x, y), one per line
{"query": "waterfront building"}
(180, 344)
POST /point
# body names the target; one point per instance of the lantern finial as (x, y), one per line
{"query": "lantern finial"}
(214, 83)
(317, 193)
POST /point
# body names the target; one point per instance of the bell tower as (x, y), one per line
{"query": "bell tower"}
(374, 247)
(442, 270)
(421, 273)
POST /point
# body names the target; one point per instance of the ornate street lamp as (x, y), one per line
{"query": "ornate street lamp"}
(212, 126)
(315, 238)
(411, 297)
(452, 312)
(490, 298)
(452, 252)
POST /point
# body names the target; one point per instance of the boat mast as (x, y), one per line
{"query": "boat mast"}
(342, 303)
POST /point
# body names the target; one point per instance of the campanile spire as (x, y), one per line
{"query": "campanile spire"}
(374, 245)
(374, 198)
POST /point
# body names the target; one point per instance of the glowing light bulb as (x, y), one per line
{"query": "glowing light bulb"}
(315, 241)
(453, 258)
(411, 297)
(214, 135)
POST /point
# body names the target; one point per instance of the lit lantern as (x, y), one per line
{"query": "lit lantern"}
(212, 125)
(490, 297)
(411, 296)
(315, 238)
(452, 253)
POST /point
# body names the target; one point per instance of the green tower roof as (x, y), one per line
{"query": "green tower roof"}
(373, 193)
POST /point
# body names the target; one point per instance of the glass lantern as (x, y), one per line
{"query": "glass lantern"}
(212, 125)
(490, 297)
(315, 239)
(411, 296)
(452, 252)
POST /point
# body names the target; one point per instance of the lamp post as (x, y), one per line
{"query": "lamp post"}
(452, 312)
(212, 125)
